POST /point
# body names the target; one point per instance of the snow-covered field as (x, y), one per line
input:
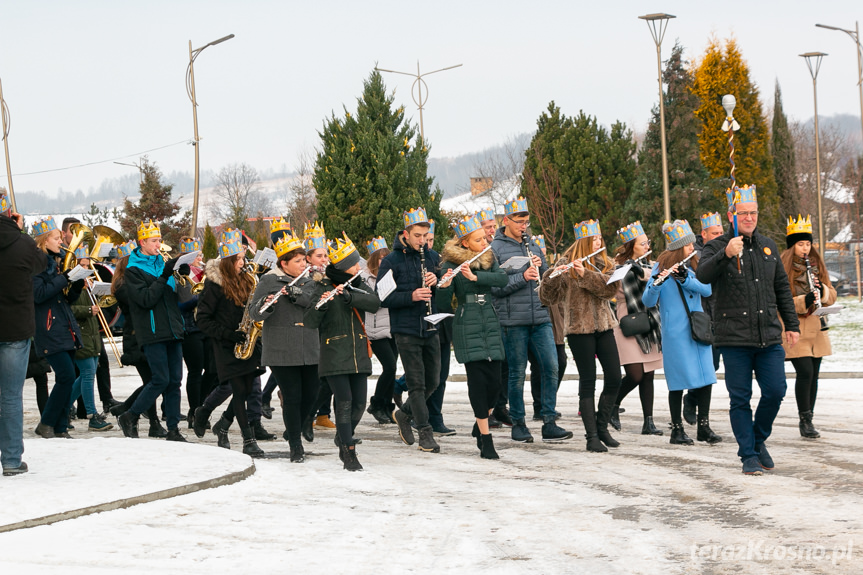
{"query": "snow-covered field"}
(646, 507)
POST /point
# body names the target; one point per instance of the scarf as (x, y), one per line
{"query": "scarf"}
(800, 285)
(633, 287)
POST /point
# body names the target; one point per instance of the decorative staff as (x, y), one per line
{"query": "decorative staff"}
(730, 125)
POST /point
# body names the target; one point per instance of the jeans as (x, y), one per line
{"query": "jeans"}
(14, 356)
(539, 339)
(83, 386)
(768, 364)
(56, 414)
(166, 362)
(421, 360)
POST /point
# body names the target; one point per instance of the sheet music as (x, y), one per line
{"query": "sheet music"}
(436, 318)
(100, 288)
(619, 273)
(835, 308)
(188, 258)
(386, 285)
(515, 262)
(105, 250)
(79, 273)
(266, 257)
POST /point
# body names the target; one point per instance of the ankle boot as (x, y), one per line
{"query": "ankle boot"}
(486, 450)
(603, 416)
(614, 420)
(220, 430)
(156, 429)
(678, 435)
(427, 442)
(475, 433)
(349, 457)
(250, 446)
(261, 434)
(689, 406)
(129, 424)
(588, 417)
(519, 432)
(705, 433)
(806, 427)
(649, 428)
(298, 454)
(202, 419)
(308, 429)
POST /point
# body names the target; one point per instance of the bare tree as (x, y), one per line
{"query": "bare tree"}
(237, 195)
(504, 168)
(546, 202)
(301, 198)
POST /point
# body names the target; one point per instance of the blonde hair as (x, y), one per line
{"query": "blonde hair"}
(42, 240)
(583, 248)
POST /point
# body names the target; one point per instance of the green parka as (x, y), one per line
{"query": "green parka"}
(91, 338)
(476, 328)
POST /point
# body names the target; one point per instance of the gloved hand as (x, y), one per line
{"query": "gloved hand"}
(169, 267)
(809, 300)
(66, 275)
(681, 273)
(77, 286)
(184, 270)
(294, 292)
(236, 337)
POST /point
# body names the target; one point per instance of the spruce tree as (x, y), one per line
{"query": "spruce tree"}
(784, 160)
(211, 246)
(371, 167)
(155, 203)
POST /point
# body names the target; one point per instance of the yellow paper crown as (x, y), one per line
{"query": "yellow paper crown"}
(288, 242)
(149, 229)
(279, 224)
(801, 226)
(337, 250)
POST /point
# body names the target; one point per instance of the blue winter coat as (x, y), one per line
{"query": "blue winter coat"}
(406, 315)
(56, 327)
(690, 364)
(517, 303)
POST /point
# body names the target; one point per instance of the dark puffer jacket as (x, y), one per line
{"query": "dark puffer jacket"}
(406, 315)
(56, 327)
(20, 260)
(476, 328)
(706, 302)
(152, 300)
(91, 338)
(218, 317)
(747, 302)
(517, 303)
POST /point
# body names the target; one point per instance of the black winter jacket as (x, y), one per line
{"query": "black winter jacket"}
(20, 260)
(748, 303)
(406, 315)
(132, 354)
(152, 301)
(56, 327)
(706, 302)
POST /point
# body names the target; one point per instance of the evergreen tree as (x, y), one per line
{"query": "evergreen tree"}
(368, 171)
(155, 203)
(784, 160)
(211, 246)
(723, 71)
(688, 181)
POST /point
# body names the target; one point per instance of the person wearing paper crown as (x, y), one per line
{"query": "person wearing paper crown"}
(688, 363)
(748, 332)
(802, 261)
(640, 352)
(290, 348)
(476, 328)
(525, 324)
(20, 261)
(589, 327)
(345, 362)
(278, 226)
(57, 334)
(417, 340)
(153, 306)
(489, 223)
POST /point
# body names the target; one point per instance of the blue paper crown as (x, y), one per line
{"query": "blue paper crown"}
(586, 229)
(189, 245)
(4, 203)
(540, 241)
(43, 226)
(740, 196)
(485, 215)
(125, 250)
(230, 243)
(466, 226)
(431, 227)
(710, 220)
(630, 232)
(376, 244)
(82, 252)
(516, 206)
(415, 216)
(314, 236)
(677, 230)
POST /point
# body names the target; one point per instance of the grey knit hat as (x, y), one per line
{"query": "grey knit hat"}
(677, 234)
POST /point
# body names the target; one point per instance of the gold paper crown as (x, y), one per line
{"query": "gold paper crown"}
(313, 231)
(279, 224)
(337, 250)
(287, 243)
(148, 229)
(801, 226)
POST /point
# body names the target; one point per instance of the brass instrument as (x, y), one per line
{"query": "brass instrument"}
(251, 329)
(198, 287)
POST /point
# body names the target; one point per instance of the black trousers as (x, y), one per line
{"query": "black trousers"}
(300, 386)
(349, 391)
(483, 385)
(586, 349)
(241, 386)
(103, 376)
(193, 357)
(806, 384)
(387, 353)
(421, 360)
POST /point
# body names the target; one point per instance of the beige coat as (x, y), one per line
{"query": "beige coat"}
(586, 300)
(813, 342)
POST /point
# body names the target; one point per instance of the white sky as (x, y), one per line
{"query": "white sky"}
(92, 80)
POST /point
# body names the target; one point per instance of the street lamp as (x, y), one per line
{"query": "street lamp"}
(4, 111)
(419, 83)
(813, 62)
(190, 90)
(855, 35)
(658, 24)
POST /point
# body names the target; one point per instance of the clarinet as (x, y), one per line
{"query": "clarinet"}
(526, 241)
(811, 272)
(423, 283)
(659, 281)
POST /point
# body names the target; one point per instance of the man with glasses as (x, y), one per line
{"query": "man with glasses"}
(525, 323)
(751, 286)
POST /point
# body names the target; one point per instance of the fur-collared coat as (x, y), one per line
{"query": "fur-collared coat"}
(587, 299)
(476, 328)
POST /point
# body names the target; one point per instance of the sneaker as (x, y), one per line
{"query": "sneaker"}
(751, 466)
(553, 432)
(442, 429)
(763, 457)
(10, 471)
(324, 422)
(98, 423)
(403, 420)
(520, 432)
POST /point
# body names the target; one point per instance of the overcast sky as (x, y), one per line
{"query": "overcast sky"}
(87, 80)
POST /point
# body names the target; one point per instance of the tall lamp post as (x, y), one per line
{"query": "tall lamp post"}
(855, 35)
(419, 83)
(658, 24)
(4, 111)
(190, 90)
(813, 62)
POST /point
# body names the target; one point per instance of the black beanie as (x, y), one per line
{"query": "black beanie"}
(792, 239)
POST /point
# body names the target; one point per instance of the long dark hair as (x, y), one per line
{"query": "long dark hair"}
(625, 252)
(670, 257)
(815, 261)
(119, 275)
(237, 286)
(374, 262)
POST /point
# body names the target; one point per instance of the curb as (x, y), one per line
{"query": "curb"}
(661, 376)
(228, 479)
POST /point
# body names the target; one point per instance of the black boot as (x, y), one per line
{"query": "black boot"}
(475, 433)
(298, 454)
(262, 434)
(156, 429)
(614, 420)
(705, 433)
(806, 428)
(603, 416)
(308, 429)
(220, 430)
(349, 457)
(109, 404)
(649, 428)
(551, 431)
(250, 446)
(267, 410)
(519, 432)
(129, 424)
(427, 442)
(404, 422)
(119, 409)
(502, 415)
(202, 418)
(588, 417)
(689, 405)
(378, 411)
(175, 435)
(486, 450)
(678, 435)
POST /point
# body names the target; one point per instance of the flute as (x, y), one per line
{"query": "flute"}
(456, 270)
(644, 256)
(268, 304)
(333, 292)
(570, 265)
(660, 280)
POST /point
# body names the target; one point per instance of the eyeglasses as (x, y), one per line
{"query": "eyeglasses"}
(520, 222)
(753, 214)
(645, 244)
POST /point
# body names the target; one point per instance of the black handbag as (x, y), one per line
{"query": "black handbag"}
(635, 324)
(700, 323)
